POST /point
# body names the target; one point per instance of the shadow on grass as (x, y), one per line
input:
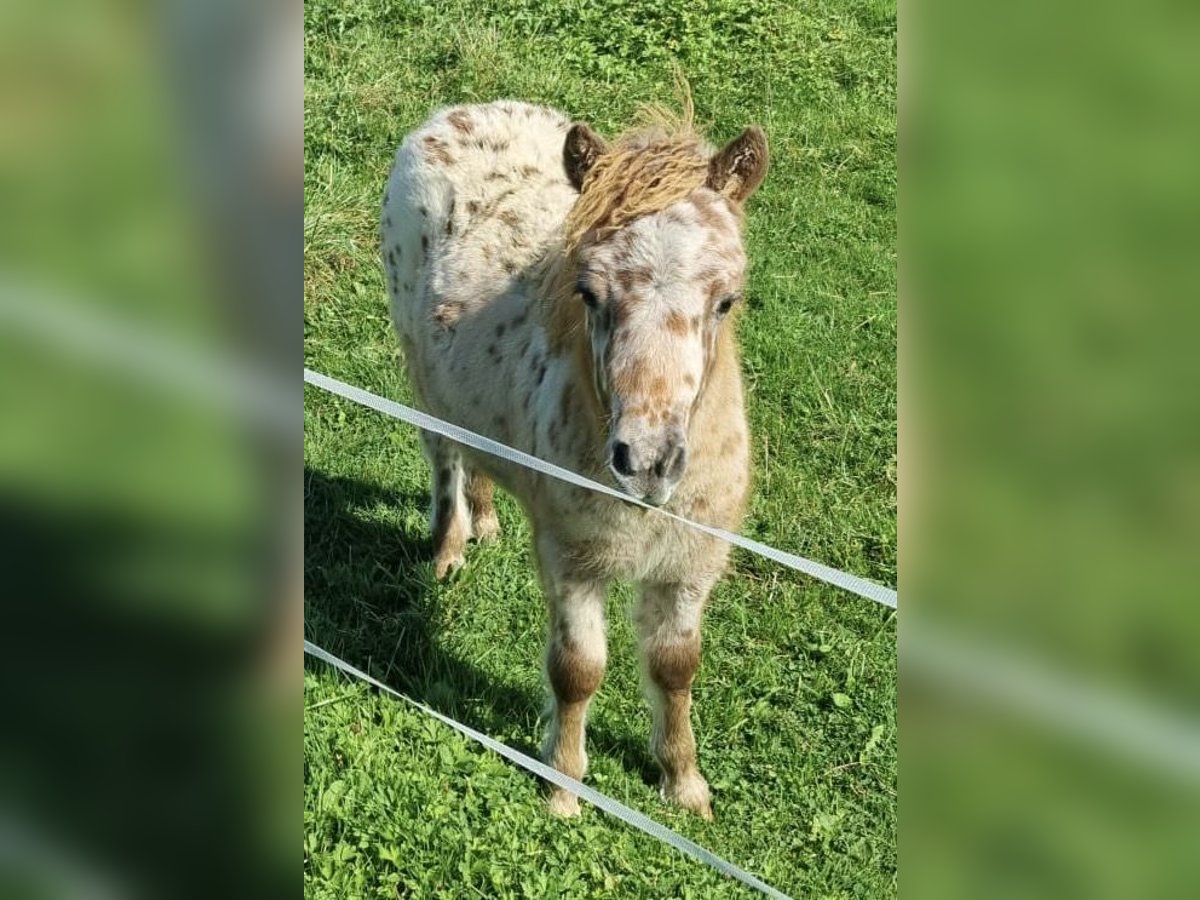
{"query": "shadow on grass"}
(370, 598)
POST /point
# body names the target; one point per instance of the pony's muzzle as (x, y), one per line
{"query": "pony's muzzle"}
(649, 470)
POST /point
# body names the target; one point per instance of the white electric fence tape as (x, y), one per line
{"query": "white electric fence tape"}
(608, 804)
(852, 583)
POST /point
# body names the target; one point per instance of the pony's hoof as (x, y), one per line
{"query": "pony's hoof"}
(446, 564)
(563, 804)
(486, 528)
(690, 792)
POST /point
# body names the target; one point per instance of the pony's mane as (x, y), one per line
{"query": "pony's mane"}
(659, 162)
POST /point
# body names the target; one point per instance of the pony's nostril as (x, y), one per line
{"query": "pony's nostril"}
(671, 463)
(663, 466)
(620, 458)
(680, 463)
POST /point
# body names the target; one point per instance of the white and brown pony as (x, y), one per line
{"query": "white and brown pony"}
(574, 299)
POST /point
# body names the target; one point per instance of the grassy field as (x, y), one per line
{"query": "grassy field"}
(795, 700)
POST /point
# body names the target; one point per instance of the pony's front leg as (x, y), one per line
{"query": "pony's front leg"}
(668, 623)
(576, 654)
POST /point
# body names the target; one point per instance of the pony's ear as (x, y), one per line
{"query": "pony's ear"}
(738, 168)
(581, 149)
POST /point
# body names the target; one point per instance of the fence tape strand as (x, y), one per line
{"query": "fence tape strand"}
(852, 583)
(613, 807)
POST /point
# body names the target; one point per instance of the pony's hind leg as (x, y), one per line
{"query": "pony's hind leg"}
(484, 524)
(668, 625)
(449, 518)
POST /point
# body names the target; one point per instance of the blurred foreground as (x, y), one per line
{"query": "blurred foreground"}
(1050, 451)
(150, 335)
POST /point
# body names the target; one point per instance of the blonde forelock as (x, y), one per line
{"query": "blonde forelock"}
(646, 170)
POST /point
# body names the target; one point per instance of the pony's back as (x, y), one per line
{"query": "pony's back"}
(474, 197)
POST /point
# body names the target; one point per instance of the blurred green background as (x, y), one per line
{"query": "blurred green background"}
(1050, 450)
(149, 447)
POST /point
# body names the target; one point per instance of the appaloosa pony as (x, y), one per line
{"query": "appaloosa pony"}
(574, 298)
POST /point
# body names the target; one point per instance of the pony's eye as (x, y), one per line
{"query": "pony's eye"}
(725, 305)
(589, 299)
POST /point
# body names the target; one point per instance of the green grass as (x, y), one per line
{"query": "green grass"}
(795, 701)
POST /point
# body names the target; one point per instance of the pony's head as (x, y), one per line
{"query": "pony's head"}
(659, 266)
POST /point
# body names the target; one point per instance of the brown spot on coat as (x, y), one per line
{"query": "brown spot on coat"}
(447, 314)
(497, 200)
(437, 151)
(673, 666)
(677, 323)
(461, 122)
(573, 676)
(630, 381)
